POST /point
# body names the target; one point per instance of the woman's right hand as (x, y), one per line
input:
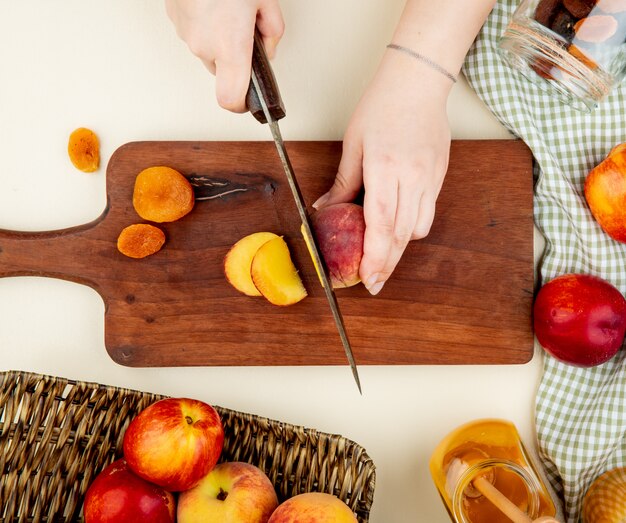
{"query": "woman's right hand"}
(221, 34)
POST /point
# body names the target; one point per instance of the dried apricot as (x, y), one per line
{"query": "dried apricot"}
(84, 150)
(612, 6)
(582, 56)
(595, 29)
(546, 11)
(579, 8)
(563, 24)
(162, 194)
(140, 240)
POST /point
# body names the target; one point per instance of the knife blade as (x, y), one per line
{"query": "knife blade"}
(265, 103)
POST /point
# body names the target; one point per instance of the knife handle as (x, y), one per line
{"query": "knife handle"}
(267, 83)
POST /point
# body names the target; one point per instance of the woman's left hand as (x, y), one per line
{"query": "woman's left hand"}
(397, 147)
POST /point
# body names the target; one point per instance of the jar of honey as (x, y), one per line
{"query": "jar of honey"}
(482, 456)
(573, 49)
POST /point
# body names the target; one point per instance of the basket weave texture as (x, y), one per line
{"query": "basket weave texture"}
(57, 434)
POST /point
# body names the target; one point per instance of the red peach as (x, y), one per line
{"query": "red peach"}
(580, 319)
(116, 494)
(174, 442)
(339, 230)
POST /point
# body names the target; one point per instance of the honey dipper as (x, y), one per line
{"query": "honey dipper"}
(482, 485)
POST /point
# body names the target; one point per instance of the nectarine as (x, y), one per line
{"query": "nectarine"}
(313, 507)
(116, 494)
(339, 230)
(580, 319)
(238, 262)
(275, 275)
(605, 192)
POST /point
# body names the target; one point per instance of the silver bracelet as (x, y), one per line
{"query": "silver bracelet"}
(426, 60)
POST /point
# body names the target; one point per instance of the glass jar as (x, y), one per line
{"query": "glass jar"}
(605, 500)
(491, 450)
(572, 48)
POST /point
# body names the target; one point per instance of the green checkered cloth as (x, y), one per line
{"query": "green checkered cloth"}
(580, 414)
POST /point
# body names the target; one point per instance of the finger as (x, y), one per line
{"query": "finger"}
(425, 217)
(210, 65)
(379, 209)
(349, 178)
(172, 12)
(232, 66)
(271, 25)
(409, 205)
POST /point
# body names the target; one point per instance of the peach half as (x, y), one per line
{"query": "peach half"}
(275, 275)
(238, 262)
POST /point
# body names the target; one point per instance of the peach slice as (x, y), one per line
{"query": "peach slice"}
(275, 275)
(162, 194)
(83, 149)
(238, 262)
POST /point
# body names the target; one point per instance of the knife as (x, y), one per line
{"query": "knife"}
(264, 102)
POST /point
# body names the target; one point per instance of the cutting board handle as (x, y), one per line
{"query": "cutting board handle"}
(69, 254)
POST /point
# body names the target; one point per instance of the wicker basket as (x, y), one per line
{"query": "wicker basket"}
(57, 434)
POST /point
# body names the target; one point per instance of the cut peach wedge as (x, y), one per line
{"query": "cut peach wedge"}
(238, 262)
(275, 275)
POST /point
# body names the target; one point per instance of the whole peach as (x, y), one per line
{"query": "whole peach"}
(580, 319)
(232, 492)
(605, 192)
(116, 494)
(313, 507)
(339, 230)
(174, 442)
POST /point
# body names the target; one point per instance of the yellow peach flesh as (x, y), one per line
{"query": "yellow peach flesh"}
(275, 275)
(238, 262)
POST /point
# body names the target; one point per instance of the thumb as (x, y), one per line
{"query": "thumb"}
(349, 178)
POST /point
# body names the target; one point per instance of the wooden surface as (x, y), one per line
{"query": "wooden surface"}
(462, 295)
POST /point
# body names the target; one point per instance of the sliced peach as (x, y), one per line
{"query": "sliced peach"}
(275, 275)
(162, 194)
(140, 240)
(83, 149)
(238, 262)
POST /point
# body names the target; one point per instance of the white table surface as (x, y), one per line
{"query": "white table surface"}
(119, 68)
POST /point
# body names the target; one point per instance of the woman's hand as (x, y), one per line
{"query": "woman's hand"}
(221, 34)
(397, 147)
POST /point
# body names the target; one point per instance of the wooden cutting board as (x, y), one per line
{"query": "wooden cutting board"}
(461, 296)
